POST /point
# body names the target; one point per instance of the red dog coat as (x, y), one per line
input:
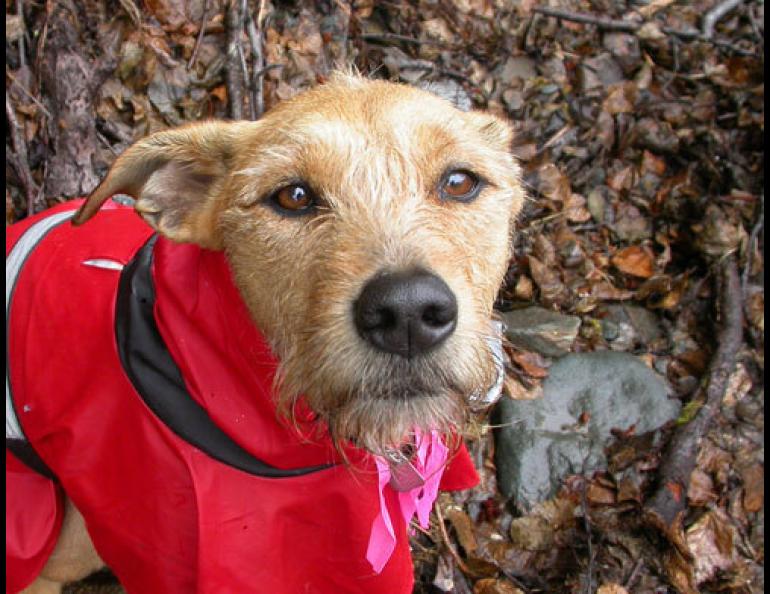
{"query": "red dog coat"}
(138, 381)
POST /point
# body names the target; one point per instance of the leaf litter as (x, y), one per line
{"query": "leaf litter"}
(639, 126)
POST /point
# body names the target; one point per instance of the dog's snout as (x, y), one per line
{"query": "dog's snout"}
(406, 313)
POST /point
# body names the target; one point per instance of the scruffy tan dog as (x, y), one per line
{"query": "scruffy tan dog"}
(367, 226)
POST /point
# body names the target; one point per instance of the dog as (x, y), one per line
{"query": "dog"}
(246, 387)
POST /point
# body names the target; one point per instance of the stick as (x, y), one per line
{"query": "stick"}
(629, 27)
(234, 74)
(714, 15)
(391, 37)
(20, 160)
(753, 237)
(258, 63)
(666, 509)
(34, 99)
(199, 39)
(445, 535)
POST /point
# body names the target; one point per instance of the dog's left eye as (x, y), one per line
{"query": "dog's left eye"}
(459, 185)
(294, 199)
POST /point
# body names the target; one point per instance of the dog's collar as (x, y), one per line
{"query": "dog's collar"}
(158, 380)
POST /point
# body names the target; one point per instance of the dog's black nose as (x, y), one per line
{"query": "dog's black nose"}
(406, 313)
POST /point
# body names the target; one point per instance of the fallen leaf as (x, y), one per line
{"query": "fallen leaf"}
(700, 491)
(553, 184)
(611, 588)
(599, 495)
(463, 528)
(620, 98)
(754, 487)
(495, 586)
(635, 260)
(533, 364)
(710, 541)
(518, 391)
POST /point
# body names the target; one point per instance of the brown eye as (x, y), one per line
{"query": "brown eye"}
(460, 185)
(294, 199)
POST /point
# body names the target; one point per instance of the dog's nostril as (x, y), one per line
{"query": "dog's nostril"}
(438, 315)
(371, 318)
(406, 313)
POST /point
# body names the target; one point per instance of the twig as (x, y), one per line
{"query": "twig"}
(133, 12)
(22, 53)
(20, 160)
(630, 27)
(588, 19)
(445, 535)
(199, 39)
(753, 237)
(666, 508)
(242, 58)
(258, 62)
(633, 575)
(21, 87)
(234, 73)
(714, 15)
(391, 37)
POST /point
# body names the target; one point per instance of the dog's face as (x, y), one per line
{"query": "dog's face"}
(368, 228)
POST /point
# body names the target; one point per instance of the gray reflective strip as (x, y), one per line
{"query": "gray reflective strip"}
(13, 265)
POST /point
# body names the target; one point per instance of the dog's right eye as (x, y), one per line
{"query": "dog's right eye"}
(294, 199)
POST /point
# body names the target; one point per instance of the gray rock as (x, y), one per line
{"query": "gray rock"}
(645, 323)
(516, 67)
(598, 72)
(540, 330)
(543, 440)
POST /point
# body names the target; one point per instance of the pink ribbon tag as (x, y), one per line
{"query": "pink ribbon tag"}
(416, 481)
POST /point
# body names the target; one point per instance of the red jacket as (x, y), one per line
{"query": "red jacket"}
(113, 373)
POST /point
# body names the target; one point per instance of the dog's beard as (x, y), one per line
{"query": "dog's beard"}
(378, 401)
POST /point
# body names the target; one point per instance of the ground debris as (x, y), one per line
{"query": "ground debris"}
(640, 131)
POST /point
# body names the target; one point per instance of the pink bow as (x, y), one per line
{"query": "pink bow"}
(428, 464)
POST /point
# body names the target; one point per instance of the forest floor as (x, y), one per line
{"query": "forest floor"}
(640, 130)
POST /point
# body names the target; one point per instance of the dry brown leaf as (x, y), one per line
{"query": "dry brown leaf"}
(739, 384)
(547, 279)
(680, 572)
(622, 179)
(533, 364)
(710, 541)
(620, 98)
(611, 588)
(518, 391)
(635, 260)
(495, 586)
(651, 163)
(599, 495)
(754, 487)
(532, 533)
(575, 209)
(553, 184)
(524, 288)
(463, 528)
(700, 491)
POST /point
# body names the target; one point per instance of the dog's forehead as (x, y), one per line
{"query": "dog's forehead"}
(371, 113)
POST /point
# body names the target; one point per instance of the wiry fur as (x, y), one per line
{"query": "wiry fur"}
(374, 152)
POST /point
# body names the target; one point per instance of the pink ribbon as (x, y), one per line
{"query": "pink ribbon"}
(429, 462)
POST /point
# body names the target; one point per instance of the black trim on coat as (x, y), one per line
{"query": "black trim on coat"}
(156, 377)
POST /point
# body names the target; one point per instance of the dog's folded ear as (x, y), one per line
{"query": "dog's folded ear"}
(176, 177)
